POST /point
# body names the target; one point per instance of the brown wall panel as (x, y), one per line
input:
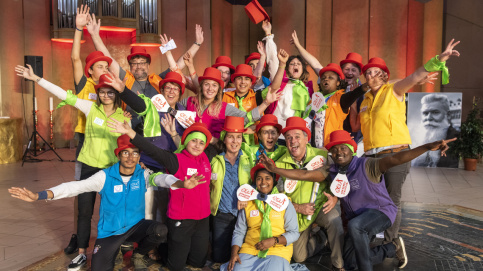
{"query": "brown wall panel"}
(221, 29)
(414, 57)
(287, 16)
(433, 37)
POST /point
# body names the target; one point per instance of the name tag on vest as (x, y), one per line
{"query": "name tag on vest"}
(363, 109)
(92, 96)
(98, 121)
(214, 176)
(191, 171)
(254, 213)
(118, 188)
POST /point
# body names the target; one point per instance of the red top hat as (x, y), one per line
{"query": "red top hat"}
(224, 61)
(353, 58)
(123, 142)
(93, 58)
(234, 124)
(376, 62)
(102, 82)
(243, 70)
(296, 123)
(268, 120)
(253, 56)
(212, 74)
(340, 137)
(173, 77)
(334, 68)
(138, 51)
(255, 12)
(197, 127)
(260, 166)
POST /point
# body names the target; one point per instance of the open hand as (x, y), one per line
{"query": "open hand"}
(27, 73)
(193, 181)
(429, 79)
(115, 82)
(188, 59)
(449, 51)
(23, 194)
(273, 95)
(261, 48)
(267, 162)
(330, 203)
(267, 27)
(199, 34)
(164, 39)
(169, 124)
(93, 27)
(295, 40)
(82, 17)
(119, 127)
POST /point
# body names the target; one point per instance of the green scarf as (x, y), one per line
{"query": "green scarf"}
(266, 227)
(350, 148)
(300, 96)
(70, 100)
(191, 136)
(434, 64)
(152, 126)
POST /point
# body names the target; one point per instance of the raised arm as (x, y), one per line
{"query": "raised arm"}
(81, 19)
(169, 56)
(277, 79)
(259, 69)
(317, 175)
(270, 49)
(126, 95)
(188, 60)
(406, 156)
(195, 47)
(311, 60)
(256, 113)
(435, 64)
(94, 28)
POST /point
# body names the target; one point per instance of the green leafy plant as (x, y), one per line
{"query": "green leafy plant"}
(470, 142)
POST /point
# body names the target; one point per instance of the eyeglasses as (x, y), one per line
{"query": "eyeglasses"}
(134, 154)
(227, 73)
(174, 89)
(109, 94)
(134, 64)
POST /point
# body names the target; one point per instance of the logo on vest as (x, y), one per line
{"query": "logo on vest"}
(289, 185)
(277, 202)
(98, 121)
(118, 188)
(254, 213)
(191, 171)
(135, 185)
(363, 109)
(92, 96)
(355, 184)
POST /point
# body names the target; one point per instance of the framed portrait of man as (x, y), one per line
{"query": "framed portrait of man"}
(432, 117)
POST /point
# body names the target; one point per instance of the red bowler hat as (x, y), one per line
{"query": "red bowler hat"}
(123, 142)
(340, 137)
(296, 123)
(333, 68)
(102, 82)
(243, 70)
(268, 120)
(255, 12)
(234, 124)
(253, 56)
(173, 77)
(354, 58)
(224, 61)
(197, 127)
(376, 62)
(93, 58)
(260, 166)
(212, 74)
(138, 51)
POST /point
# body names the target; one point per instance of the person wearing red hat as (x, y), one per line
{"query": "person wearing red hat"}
(231, 169)
(223, 64)
(369, 208)
(95, 154)
(299, 153)
(265, 231)
(123, 191)
(188, 210)
(210, 108)
(383, 119)
(268, 131)
(257, 62)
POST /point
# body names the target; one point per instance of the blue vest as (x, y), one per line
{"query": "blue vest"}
(122, 205)
(363, 193)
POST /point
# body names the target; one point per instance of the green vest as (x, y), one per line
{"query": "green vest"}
(272, 155)
(218, 169)
(303, 190)
(99, 142)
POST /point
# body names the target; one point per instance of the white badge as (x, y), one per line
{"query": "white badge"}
(191, 171)
(232, 104)
(183, 116)
(363, 109)
(118, 188)
(160, 103)
(92, 96)
(318, 101)
(246, 192)
(316, 162)
(254, 213)
(214, 176)
(289, 185)
(278, 202)
(98, 121)
(308, 123)
(340, 186)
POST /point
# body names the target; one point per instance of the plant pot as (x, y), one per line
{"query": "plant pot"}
(470, 164)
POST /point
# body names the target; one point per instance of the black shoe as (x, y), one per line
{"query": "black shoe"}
(72, 246)
(77, 263)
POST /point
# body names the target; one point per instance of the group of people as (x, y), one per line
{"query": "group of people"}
(252, 175)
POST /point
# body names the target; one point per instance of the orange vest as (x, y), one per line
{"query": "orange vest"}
(334, 116)
(153, 79)
(248, 103)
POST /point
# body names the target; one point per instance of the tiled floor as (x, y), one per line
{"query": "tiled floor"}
(30, 232)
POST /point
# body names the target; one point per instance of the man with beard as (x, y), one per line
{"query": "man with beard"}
(437, 126)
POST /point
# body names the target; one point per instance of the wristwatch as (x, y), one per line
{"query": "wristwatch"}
(276, 241)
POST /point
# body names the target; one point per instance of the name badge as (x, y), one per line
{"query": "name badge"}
(99, 121)
(92, 96)
(118, 188)
(363, 109)
(191, 171)
(254, 213)
(214, 176)
(232, 104)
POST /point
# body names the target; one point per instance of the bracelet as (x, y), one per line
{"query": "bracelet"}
(282, 66)
(199, 44)
(38, 79)
(175, 135)
(193, 74)
(42, 195)
(78, 29)
(276, 241)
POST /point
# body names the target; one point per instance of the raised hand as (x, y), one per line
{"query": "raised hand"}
(115, 82)
(261, 48)
(267, 162)
(273, 95)
(23, 194)
(164, 39)
(188, 59)
(27, 73)
(169, 124)
(93, 27)
(429, 79)
(82, 18)
(282, 56)
(441, 145)
(193, 181)
(119, 127)
(199, 34)
(267, 27)
(449, 51)
(295, 40)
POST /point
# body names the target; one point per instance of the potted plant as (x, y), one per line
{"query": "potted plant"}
(469, 144)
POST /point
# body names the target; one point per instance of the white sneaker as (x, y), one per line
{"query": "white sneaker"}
(77, 263)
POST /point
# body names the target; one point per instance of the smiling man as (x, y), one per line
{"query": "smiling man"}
(268, 131)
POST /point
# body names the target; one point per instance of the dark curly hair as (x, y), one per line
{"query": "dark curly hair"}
(305, 74)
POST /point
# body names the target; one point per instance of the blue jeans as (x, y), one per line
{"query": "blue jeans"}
(360, 229)
(223, 227)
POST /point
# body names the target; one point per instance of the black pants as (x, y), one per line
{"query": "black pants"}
(85, 209)
(147, 233)
(187, 242)
(223, 227)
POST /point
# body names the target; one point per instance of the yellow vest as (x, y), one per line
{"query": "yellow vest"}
(254, 222)
(84, 95)
(383, 119)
